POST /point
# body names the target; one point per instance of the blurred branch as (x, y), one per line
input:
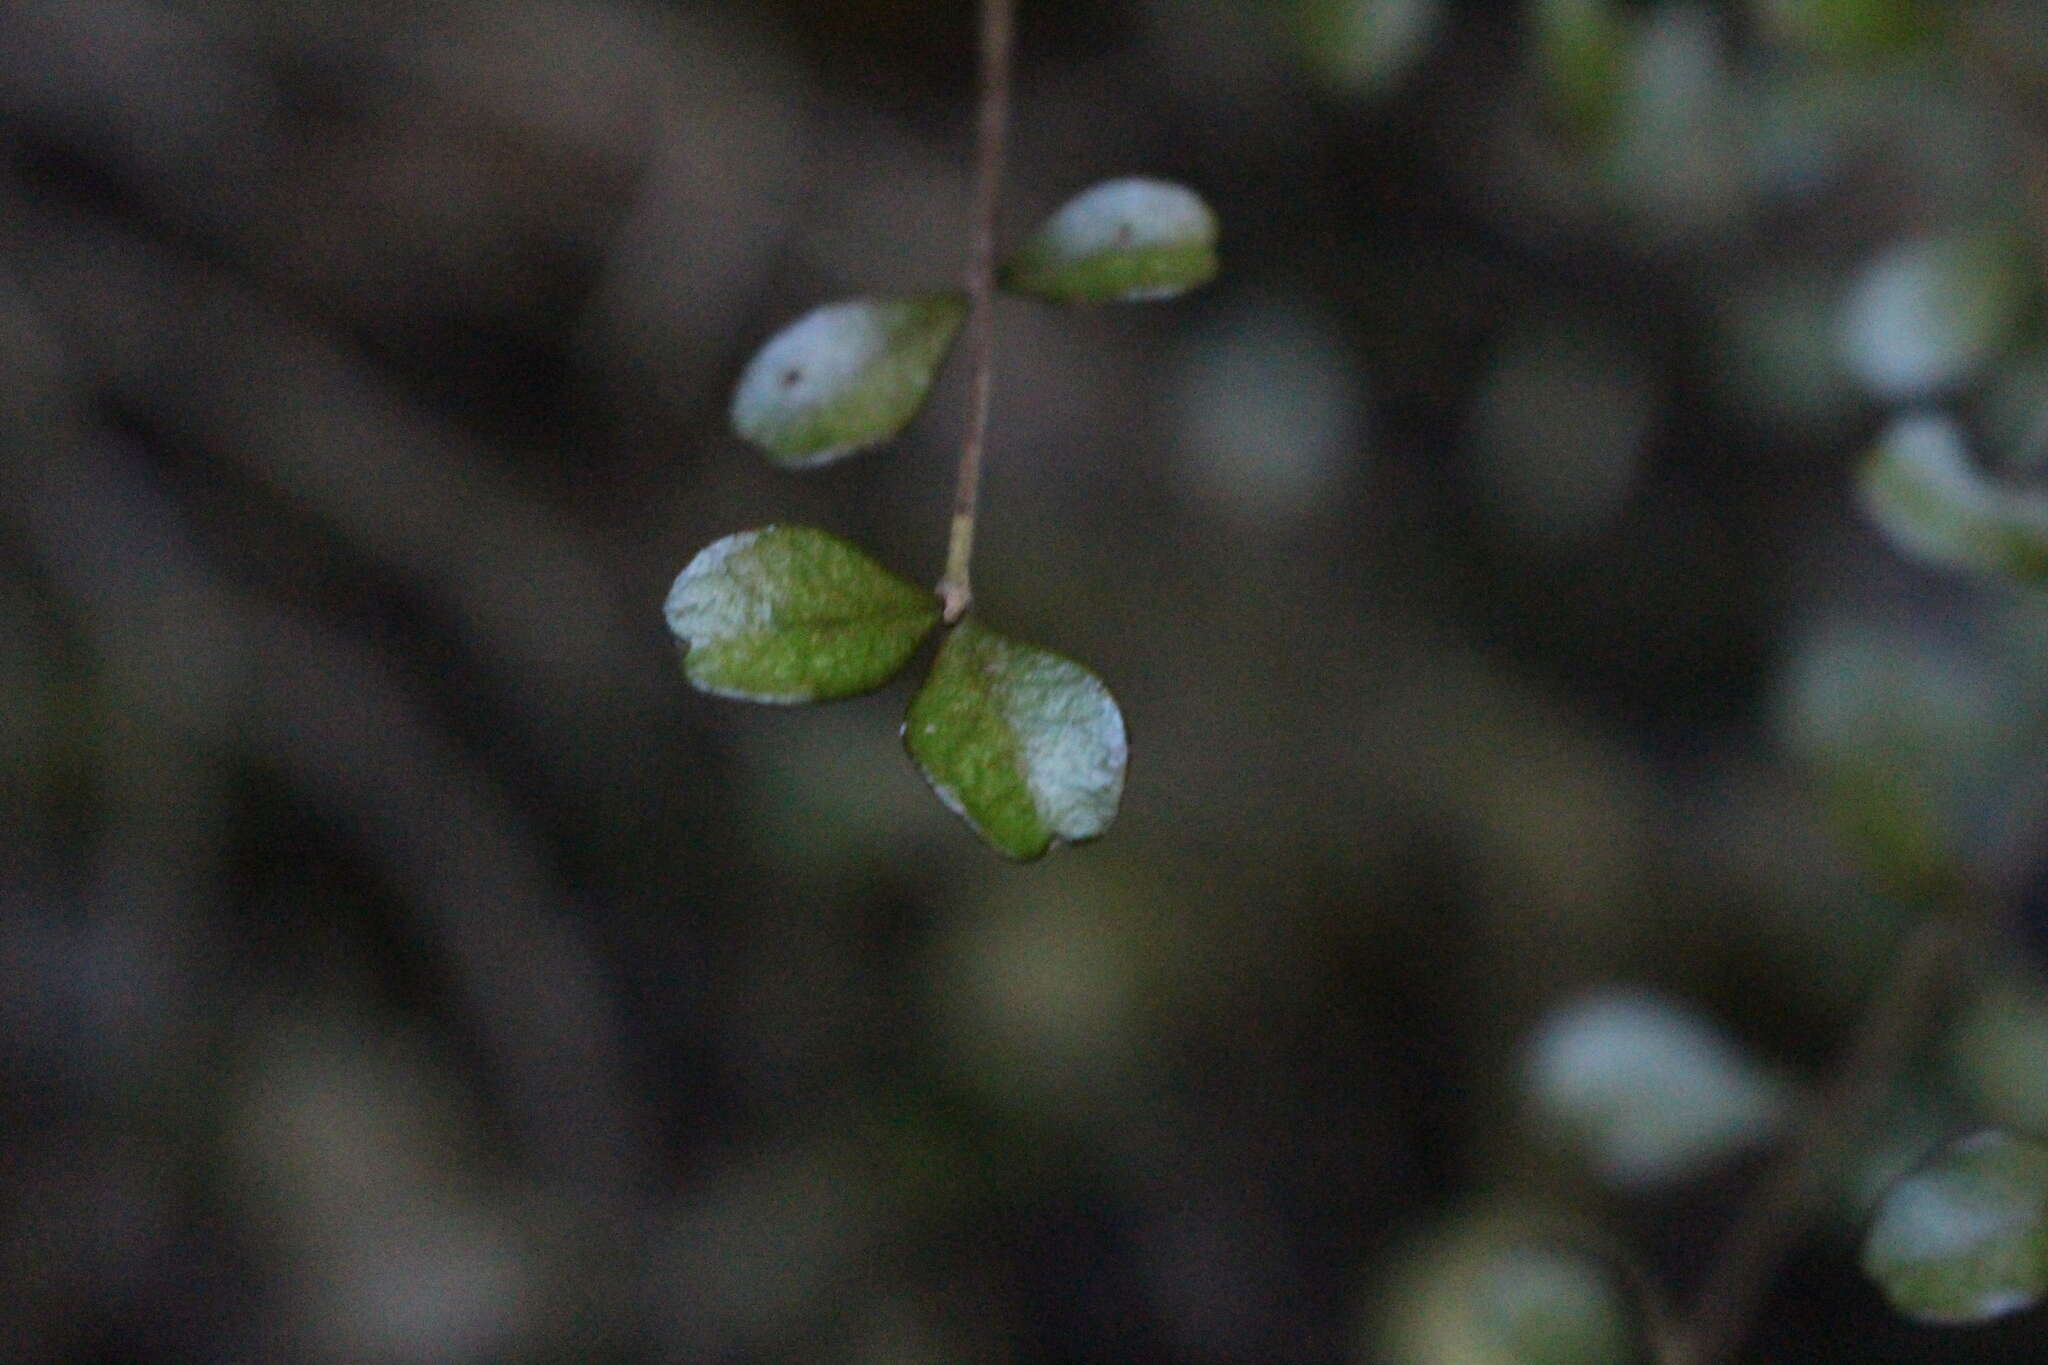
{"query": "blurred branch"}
(207, 356)
(1778, 1212)
(326, 713)
(208, 361)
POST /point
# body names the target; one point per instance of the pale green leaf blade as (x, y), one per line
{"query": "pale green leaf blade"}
(1504, 1286)
(1919, 486)
(1965, 1238)
(1117, 242)
(792, 614)
(1026, 746)
(1926, 315)
(845, 376)
(1648, 1091)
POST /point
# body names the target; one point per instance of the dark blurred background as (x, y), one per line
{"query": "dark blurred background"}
(399, 963)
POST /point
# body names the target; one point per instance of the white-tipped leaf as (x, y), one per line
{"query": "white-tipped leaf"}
(1965, 1238)
(1926, 314)
(792, 614)
(845, 376)
(1025, 745)
(1647, 1091)
(1120, 241)
(1921, 489)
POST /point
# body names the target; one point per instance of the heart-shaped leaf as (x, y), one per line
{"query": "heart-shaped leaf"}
(1120, 241)
(791, 614)
(1920, 487)
(1028, 747)
(1965, 1238)
(845, 376)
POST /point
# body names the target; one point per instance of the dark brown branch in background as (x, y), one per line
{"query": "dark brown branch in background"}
(1779, 1211)
(289, 694)
(1781, 1207)
(998, 26)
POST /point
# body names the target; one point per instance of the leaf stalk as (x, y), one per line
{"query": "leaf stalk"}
(998, 30)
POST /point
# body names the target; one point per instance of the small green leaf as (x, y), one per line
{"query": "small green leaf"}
(1118, 242)
(1904, 735)
(791, 614)
(845, 376)
(1545, 1305)
(1649, 1091)
(1026, 746)
(1505, 1286)
(1925, 315)
(1920, 487)
(1965, 1238)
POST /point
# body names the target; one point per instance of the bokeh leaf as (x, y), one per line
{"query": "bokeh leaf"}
(792, 614)
(1998, 1050)
(1926, 314)
(1918, 485)
(1848, 29)
(1965, 1238)
(1367, 46)
(1500, 1287)
(845, 376)
(1580, 48)
(1026, 746)
(1120, 241)
(1649, 1091)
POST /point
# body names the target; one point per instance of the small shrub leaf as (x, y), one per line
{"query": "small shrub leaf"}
(1118, 242)
(1545, 1305)
(845, 376)
(1647, 1090)
(1927, 314)
(1965, 1238)
(1503, 1285)
(791, 614)
(1026, 746)
(1919, 486)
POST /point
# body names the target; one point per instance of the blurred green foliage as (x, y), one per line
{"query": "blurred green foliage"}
(397, 964)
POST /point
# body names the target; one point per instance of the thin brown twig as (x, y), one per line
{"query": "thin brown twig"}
(1777, 1213)
(998, 24)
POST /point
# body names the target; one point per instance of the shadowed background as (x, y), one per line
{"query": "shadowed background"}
(398, 962)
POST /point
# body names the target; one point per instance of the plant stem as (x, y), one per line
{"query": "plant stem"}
(998, 25)
(1776, 1215)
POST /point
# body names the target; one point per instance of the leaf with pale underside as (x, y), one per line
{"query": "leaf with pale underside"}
(1648, 1091)
(845, 376)
(1121, 241)
(792, 614)
(1965, 1238)
(1922, 490)
(1026, 746)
